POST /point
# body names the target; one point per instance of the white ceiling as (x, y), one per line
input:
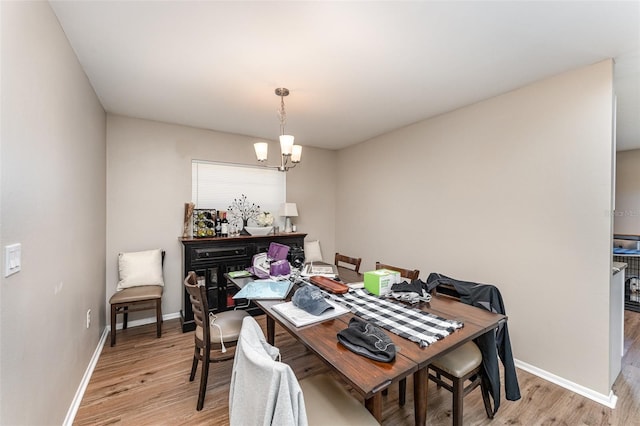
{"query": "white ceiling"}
(355, 69)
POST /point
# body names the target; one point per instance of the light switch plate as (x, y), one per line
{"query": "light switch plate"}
(12, 259)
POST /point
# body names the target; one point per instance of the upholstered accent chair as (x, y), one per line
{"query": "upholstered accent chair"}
(139, 287)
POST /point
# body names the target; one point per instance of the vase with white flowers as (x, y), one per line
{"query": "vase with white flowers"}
(265, 219)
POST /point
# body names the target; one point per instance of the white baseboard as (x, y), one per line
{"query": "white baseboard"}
(144, 321)
(606, 400)
(77, 399)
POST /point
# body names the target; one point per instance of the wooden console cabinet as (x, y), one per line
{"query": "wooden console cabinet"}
(211, 258)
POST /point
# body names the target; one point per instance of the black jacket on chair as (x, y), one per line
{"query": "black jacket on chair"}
(491, 345)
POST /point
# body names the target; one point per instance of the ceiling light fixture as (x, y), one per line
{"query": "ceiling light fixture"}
(290, 153)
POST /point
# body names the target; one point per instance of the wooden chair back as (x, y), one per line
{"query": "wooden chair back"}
(355, 262)
(411, 274)
(446, 290)
(227, 324)
(198, 298)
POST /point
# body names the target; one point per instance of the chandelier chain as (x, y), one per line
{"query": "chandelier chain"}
(282, 115)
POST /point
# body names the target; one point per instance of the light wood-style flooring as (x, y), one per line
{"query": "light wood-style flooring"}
(145, 381)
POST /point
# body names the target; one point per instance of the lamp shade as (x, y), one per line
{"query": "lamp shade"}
(261, 149)
(286, 142)
(289, 210)
(296, 153)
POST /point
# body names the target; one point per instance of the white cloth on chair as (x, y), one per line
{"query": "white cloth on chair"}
(263, 391)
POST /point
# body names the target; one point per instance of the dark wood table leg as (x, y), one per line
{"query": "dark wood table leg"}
(420, 380)
(271, 330)
(374, 405)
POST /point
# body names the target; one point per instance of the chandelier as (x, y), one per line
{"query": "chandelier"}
(290, 153)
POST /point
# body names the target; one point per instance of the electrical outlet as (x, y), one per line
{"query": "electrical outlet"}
(88, 318)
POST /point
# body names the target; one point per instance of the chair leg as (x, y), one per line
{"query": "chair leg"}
(113, 325)
(458, 396)
(194, 364)
(126, 317)
(203, 380)
(485, 399)
(159, 318)
(402, 392)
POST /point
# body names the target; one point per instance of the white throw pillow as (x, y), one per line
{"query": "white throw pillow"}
(140, 268)
(312, 251)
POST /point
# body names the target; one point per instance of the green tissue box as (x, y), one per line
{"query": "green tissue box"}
(379, 282)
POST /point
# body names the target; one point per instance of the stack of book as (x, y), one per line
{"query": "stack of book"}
(319, 268)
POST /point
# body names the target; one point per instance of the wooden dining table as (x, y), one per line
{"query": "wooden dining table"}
(368, 377)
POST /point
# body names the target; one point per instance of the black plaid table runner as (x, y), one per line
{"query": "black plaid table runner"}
(411, 323)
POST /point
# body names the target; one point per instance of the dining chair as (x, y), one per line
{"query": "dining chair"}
(264, 390)
(341, 259)
(214, 333)
(493, 346)
(139, 287)
(463, 364)
(454, 369)
(410, 274)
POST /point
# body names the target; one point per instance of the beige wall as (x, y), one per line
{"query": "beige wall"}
(149, 180)
(627, 213)
(53, 203)
(512, 191)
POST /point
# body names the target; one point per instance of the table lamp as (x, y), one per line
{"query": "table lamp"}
(288, 210)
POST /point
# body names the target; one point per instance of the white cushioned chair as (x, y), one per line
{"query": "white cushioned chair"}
(139, 287)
